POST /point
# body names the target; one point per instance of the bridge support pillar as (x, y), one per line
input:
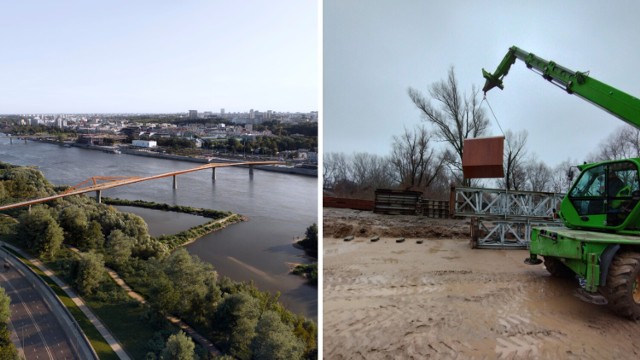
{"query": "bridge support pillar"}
(10, 140)
(213, 174)
(99, 196)
(251, 171)
(25, 140)
(175, 182)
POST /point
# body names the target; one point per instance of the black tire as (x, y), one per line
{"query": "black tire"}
(623, 284)
(557, 268)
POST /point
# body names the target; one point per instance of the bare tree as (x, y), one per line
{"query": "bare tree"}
(514, 161)
(538, 176)
(455, 116)
(335, 169)
(357, 175)
(562, 176)
(415, 162)
(624, 143)
(371, 171)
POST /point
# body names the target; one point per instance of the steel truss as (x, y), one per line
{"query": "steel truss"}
(502, 218)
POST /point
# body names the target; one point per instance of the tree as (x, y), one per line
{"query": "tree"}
(624, 143)
(562, 176)
(415, 162)
(119, 248)
(5, 309)
(275, 340)
(7, 349)
(40, 232)
(310, 242)
(179, 347)
(234, 324)
(90, 273)
(514, 159)
(335, 169)
(538, 176)
(94, 238)
(74, 221)
(455, 116)
(191, 278)
(370, 172)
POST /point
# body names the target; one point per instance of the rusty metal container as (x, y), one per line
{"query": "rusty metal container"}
(482, 157)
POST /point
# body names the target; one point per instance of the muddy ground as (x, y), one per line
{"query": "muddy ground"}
(440, 299)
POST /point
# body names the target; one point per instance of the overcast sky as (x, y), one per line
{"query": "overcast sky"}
(374, 51)
(158, 56)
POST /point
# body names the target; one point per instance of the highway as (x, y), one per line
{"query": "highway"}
(40, 335)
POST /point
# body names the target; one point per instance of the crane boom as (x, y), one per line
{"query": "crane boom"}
(610, 99)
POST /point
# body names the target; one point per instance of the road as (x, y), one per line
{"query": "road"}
(40, 334)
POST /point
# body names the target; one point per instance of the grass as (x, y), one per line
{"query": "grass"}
(125, 320)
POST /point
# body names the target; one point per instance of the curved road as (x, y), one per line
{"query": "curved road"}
(40, 335)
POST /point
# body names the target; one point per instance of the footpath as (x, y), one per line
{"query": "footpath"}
(201, 340)
(206, 344)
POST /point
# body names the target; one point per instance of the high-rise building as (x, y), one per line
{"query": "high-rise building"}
(222, 112)
(193, 114)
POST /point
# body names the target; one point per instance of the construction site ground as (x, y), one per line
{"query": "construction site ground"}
(440, 299)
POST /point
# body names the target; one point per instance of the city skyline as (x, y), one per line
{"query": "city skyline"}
(159, 57)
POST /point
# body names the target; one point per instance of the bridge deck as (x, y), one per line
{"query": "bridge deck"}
(132, 180)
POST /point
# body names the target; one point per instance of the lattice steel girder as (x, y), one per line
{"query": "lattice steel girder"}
(503, 234)
(499, 202)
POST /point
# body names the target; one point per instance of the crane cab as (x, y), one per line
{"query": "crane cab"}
(604, 197)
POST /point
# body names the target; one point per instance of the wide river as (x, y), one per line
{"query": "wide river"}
(279, 206)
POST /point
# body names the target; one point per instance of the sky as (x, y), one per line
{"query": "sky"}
(161, 56)
(374, 51)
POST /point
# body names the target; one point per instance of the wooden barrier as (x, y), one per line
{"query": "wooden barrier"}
(344, 203)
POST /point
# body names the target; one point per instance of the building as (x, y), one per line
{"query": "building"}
(144, 143)
(193, 114)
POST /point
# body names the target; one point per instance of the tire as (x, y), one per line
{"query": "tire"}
(623, 284)
(557, 268)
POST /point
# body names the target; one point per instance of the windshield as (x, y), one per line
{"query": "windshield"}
(606, 189)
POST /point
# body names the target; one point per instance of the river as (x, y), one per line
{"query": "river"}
(279, 206)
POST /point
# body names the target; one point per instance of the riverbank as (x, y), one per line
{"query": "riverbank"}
(300, 169)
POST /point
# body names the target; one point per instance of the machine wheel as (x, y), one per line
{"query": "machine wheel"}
(623, 284)
(557, 268)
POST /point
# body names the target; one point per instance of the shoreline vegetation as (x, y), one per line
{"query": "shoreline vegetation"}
(310, 246)
(236, 316)
(220, 220)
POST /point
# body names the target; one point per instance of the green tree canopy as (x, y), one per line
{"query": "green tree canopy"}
(275, 340)
(90, 273)
(40, 232)
(179, 347)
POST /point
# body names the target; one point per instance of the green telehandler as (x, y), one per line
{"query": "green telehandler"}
(599, 243)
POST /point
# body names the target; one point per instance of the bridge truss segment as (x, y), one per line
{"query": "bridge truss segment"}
(503, 218)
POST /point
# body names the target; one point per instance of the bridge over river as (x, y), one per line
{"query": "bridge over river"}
(93, 184)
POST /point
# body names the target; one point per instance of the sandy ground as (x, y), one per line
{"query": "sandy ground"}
(442, 300)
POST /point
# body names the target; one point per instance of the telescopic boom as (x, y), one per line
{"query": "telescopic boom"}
(614, 101)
